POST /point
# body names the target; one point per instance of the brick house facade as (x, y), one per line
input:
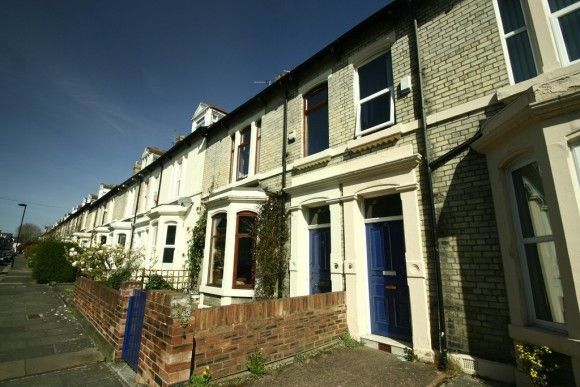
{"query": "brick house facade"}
(343, 134)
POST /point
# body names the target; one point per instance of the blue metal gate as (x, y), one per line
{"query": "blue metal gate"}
(133, 328)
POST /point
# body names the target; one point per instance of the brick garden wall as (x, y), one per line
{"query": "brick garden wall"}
(105, 308)
(225, 336)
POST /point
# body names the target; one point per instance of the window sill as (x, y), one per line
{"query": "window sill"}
(557, 340)
(226, 292)
(380, 137)
(317, 159)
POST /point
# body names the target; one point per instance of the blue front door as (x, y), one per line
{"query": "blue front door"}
(320, 260)
(388, 289)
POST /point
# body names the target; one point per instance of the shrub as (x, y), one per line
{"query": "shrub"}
(256, 363)
(100, 262)
(119, 276)
(537, 362)
(196, 248)
(347, 341)
(157, 282)
(271, 235)
(49, 262)
(200, 380)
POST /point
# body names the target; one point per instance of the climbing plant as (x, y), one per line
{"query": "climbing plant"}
(270, 256)
(196, 247)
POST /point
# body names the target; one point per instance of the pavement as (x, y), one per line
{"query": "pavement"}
(41, 341)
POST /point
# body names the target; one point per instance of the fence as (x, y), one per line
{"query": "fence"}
(178, 279)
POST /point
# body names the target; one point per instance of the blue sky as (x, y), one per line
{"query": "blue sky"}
(85, 85)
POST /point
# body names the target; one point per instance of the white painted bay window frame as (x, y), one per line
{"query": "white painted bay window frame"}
(522, 242)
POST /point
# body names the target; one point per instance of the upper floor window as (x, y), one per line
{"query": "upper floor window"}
(243, 167)
(514, 28)
(316, 120)
(243, 259)
(243, 153)
(258, 144)
(178, 174)
(565, 21)
(169, 249)
(536, 243)
(217, 250)
(376, 108)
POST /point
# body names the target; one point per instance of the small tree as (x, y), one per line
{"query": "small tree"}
(28, 232)
(270, 256)
(196, 247)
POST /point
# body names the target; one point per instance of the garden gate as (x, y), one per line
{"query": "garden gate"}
(133, 328)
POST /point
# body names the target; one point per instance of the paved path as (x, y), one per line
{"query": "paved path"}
(41, 342)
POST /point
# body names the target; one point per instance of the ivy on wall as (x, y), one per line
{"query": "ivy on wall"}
(270, 255)
(196, 247)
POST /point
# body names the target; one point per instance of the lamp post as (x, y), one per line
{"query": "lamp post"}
(19, 229)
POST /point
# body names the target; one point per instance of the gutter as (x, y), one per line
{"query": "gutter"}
(434, 237)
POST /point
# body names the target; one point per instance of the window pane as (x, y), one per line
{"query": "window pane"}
(319, 215)
(243, 160)
(122, 239)
(531, 202)
(244, 269)
(168, 254)
(170, 238)
(521, 58)
(511, 13)
(316, 97)
(383, 206)
(218, 246)
(317, 126)
(245, 136)
(570, 25)
(375, 75)
(545, 281)
(376, 111)
(245, 224)
(556, 5)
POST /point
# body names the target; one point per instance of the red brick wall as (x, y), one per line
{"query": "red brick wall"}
(105, 308)
(225, 336)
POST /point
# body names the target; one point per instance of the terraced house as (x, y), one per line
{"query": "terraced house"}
(431, 161)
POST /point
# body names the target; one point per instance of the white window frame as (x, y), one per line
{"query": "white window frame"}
(234, 178)
(504, 37)
(178, 173)
(557, 30)
(521, 241)
(360, 101)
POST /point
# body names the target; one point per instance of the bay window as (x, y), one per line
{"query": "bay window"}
(536, 243)
(376, 108)
(243, 259)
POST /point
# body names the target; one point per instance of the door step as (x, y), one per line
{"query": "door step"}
(387, 344)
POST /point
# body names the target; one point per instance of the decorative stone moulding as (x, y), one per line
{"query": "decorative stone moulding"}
(375, 139)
